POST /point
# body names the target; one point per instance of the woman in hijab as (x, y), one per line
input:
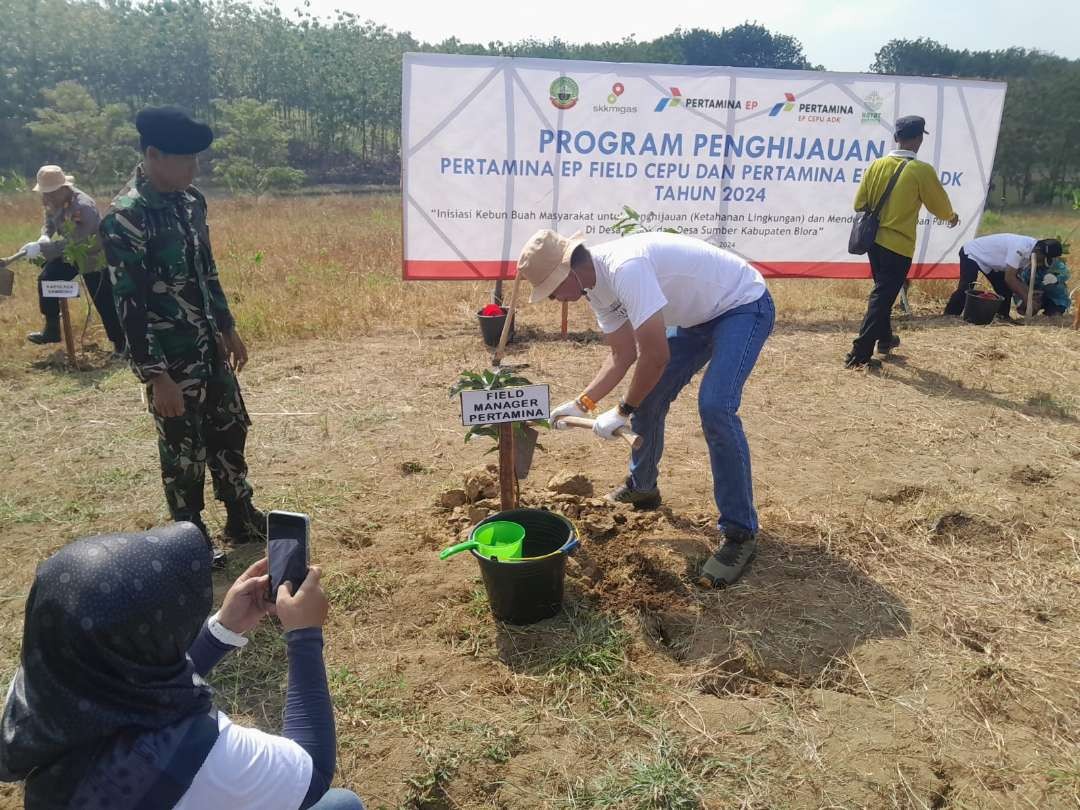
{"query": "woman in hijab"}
(110, 709)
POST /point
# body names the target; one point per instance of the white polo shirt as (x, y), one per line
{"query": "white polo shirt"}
(999, 251)
(688, 280)
(248, 769)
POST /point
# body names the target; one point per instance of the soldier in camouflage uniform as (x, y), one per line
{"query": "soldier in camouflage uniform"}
(181, 336)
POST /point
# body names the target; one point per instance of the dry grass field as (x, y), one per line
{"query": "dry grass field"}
(908, 636)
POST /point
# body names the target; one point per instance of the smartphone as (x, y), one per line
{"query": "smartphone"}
(287, 549)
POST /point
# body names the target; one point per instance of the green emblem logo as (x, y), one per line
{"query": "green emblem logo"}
(564, 93)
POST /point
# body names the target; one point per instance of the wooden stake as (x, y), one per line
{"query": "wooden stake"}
(501, 350)
(69, 339)
(565, 311)
(507, 496)
(1031, 288)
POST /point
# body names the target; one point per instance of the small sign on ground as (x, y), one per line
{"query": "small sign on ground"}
(519, 404)
(60, 289)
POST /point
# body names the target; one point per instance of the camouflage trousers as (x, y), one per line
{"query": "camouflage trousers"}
(212, 432)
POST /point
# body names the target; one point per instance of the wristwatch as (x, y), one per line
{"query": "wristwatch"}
(223, 633)
(625, 409)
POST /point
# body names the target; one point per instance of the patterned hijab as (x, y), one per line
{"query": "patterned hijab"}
(109, 621)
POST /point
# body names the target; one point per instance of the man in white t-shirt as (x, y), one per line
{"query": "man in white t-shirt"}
(668, 305)
(1000, 257)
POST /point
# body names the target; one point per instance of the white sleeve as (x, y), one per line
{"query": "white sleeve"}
(638, 291)
(1019, 254)
(248, 769)
(609, 318)
(1016, 258)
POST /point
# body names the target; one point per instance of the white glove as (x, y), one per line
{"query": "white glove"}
(31, 249)
(608, 422)
(1049, 279)
(571, 408)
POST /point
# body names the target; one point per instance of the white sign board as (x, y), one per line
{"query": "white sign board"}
(60, 289)
(764, 163)
(520, 404)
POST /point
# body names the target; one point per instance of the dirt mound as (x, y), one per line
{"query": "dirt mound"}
(1031, 476)
(904, 495)
(481, 483)
(638, 578)
(567, 483)
(959, 527)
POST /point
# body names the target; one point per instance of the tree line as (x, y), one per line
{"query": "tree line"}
(328, 89)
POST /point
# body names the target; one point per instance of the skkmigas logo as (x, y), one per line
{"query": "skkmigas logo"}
(787, 105)
(564, 93)
(615, 102)
(674, 100)
(872, 113)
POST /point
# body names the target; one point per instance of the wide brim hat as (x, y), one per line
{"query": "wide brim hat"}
(51, 178)
(545, 261)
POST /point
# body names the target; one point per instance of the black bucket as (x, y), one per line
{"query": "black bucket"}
(529, 590)
(491, 327)
(981, 310)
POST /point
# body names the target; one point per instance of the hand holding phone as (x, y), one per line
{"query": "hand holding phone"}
(287, 550)
(247, 601)
(306, 606)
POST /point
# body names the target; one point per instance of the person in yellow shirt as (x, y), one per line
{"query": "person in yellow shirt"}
(890, 257)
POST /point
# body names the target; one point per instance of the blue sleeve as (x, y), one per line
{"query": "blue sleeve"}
(309, 715)
(206, 651)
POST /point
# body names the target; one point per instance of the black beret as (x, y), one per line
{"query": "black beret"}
(172, 131)
(909, 126)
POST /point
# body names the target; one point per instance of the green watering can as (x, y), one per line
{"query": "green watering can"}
(501, 539)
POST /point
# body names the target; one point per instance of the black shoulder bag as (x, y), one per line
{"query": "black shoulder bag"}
(865, 226)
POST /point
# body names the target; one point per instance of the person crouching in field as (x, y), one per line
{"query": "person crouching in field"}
(109, 707)
(719, 312)
(1001, 257)
(181, 335)
(71, 227)
(917, 184)
(1051, 295)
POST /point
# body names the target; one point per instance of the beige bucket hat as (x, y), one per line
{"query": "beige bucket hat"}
(51, 178)
(545, 261)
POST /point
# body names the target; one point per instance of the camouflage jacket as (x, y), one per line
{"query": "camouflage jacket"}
(165, 282)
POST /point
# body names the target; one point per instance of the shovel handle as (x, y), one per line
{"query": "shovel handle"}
(624, 433)
(5, 262)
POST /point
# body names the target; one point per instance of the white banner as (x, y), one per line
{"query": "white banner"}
(764, 163)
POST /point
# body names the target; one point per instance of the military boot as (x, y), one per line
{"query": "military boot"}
(245, 523)
(50, 333)
(220, 558)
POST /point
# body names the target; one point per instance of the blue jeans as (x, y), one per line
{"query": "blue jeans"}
(338, 799)
(730, 344)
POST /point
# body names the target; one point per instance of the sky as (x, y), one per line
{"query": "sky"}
(841, 35)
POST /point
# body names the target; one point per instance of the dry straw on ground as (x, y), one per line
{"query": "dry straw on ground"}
(906, 638)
